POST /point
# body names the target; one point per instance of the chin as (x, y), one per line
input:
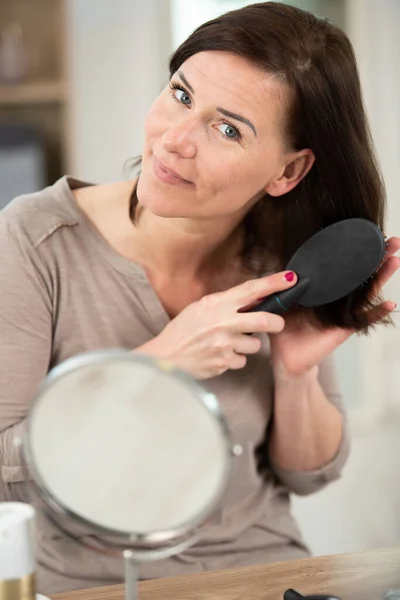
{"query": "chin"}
(162, 204)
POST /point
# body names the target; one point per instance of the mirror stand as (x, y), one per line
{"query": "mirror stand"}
(131, 575)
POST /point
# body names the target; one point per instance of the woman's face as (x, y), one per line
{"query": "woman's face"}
(219, 127)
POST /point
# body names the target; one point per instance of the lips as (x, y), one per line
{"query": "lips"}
(160, 167)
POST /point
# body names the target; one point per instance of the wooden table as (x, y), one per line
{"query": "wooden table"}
(363, 576)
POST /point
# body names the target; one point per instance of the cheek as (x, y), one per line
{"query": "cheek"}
(236, 173)
(150, 123)
(156, 118)
(238, 177)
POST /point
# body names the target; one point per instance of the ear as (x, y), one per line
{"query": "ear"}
(296, 169)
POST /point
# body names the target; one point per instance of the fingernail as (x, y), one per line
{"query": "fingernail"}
(289, 276)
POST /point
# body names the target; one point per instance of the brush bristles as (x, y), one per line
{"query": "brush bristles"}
(379, 266)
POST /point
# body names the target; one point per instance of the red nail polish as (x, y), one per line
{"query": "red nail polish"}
(289, 276)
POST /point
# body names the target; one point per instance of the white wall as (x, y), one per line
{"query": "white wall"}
(117, 54)
(361, 511)
(189, 14)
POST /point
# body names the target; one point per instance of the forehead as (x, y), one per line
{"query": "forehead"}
(233, 83)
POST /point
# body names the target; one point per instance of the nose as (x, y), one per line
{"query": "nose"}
(179, 138)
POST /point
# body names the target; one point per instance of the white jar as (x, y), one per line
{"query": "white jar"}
(17, 551)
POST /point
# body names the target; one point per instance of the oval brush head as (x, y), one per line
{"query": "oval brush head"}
(330, 265)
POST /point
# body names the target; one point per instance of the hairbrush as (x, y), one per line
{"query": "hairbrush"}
(329, 265)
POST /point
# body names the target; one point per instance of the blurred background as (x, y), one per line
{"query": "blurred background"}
(76, 80)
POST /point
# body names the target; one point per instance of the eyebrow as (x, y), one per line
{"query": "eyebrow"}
(232, 115)
(185, 81)
(226, 113)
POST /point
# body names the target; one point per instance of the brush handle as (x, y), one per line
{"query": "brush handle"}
(271, 304)
(280, 303)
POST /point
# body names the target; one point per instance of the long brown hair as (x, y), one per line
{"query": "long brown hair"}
(325, 112)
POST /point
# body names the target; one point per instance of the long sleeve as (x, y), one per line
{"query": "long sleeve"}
(308, 482)
(25, 345)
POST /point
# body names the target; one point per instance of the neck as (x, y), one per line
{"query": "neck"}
(186, 248)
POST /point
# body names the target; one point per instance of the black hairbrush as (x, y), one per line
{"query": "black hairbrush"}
(329, 265)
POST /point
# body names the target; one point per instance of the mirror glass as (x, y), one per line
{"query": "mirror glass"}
(125, 444)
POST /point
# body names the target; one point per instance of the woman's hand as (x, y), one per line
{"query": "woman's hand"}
(209, 336)
(299, 348)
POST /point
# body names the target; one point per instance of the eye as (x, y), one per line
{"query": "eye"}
(229, 131)
(180, 94)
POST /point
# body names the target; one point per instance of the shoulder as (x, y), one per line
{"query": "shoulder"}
(32, 218)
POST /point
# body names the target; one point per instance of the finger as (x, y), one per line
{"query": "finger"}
(392, 245)
(382, 274)
(245, 344)
(253, 290)
(381, 311)
(387, 270)
(259, 322)
(238, 361)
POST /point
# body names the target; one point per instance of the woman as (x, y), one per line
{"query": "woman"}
(259, 140)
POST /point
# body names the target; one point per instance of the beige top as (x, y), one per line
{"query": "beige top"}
(64, 290)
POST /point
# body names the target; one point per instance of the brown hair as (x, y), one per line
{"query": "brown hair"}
(325, 112)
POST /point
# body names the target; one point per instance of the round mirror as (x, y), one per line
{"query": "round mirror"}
(128, 450)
